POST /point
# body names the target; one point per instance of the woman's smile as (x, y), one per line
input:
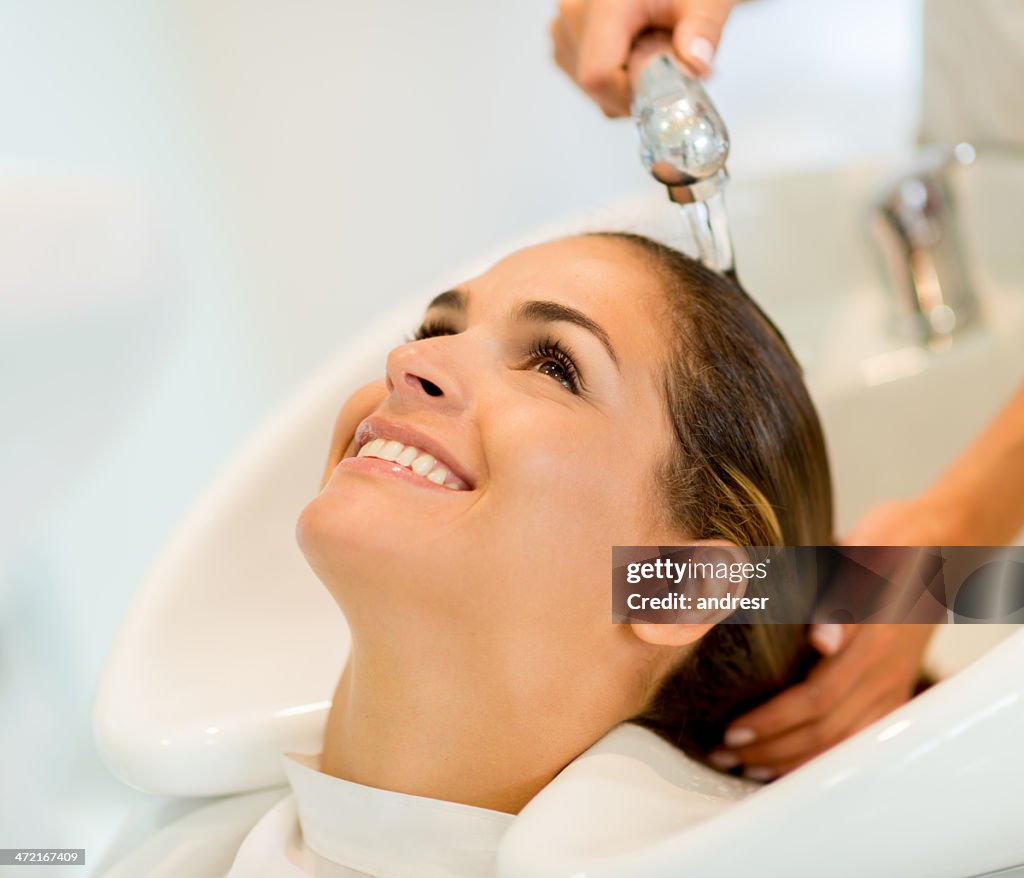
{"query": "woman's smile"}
(385, 466)
(384, 445)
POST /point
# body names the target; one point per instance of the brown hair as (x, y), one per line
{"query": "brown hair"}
(748, 465)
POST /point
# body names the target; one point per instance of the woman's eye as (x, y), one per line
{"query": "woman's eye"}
(556, 371)
(556, 361)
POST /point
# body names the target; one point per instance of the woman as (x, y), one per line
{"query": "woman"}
(584, 393)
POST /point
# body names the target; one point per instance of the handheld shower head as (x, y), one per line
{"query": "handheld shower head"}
(683, 140)
(683, 143)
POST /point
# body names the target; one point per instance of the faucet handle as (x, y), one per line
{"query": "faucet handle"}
(683, 140)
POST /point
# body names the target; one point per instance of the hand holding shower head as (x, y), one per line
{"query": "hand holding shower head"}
(683, 143)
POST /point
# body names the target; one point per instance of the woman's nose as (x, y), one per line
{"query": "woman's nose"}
(421, 373)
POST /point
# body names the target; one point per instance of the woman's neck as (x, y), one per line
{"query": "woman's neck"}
(465, 727)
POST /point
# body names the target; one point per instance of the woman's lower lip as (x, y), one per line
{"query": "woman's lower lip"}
(390, 468)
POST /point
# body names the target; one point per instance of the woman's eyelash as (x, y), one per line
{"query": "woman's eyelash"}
(551, 350)
(429, 329)
(543, 350)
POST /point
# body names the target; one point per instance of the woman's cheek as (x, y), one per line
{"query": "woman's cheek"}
(552, 469)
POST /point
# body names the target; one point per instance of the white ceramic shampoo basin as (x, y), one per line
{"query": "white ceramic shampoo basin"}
(231, 650)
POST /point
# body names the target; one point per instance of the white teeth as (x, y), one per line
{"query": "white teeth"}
(409, 456)
(391, 450)
(423, 464)
(371, 448)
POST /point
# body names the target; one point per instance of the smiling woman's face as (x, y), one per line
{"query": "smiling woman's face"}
(537, 388)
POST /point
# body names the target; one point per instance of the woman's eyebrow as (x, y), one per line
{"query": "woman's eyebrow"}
(454, 299)
(535, 310)
(552, 312)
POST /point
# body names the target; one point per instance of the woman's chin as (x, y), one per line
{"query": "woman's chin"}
(358, 524)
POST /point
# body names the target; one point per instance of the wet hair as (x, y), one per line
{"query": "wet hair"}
(748, 464)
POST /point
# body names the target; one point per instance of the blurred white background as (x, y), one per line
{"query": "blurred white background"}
(296, 167)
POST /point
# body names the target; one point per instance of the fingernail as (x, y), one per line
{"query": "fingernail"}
(739, 737)
(700, 48)
(827, 637)
(757, 772)
(724, 759)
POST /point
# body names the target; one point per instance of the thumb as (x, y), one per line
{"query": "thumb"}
(827, 637)
(695, 37)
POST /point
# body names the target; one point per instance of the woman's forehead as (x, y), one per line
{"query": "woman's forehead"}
(600, 275)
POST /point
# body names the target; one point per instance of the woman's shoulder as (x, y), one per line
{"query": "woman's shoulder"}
(203, 843)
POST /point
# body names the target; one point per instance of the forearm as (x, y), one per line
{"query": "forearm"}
(981, 495)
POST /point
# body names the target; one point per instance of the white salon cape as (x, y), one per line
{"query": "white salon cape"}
(333, 828)
(631, 785)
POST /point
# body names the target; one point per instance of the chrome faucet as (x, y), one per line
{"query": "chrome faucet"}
(914, 223)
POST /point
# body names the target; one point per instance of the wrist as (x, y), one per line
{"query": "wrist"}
(951, 516)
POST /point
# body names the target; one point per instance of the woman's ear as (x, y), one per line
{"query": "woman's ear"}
(711, 574)
(360, 404)
(669, 633)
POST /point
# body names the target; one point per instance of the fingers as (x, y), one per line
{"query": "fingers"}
(563, 46)
(828, 638)
(803, 702)
(772, 769)
(592, 40)
(804, 742)
(697, 34)
(870, 675)
(606, 32)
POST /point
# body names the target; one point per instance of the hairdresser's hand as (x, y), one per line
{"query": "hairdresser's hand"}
(865, 671)
(592, 40)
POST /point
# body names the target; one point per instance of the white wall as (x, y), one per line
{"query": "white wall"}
(312, 162)
(365, 148)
